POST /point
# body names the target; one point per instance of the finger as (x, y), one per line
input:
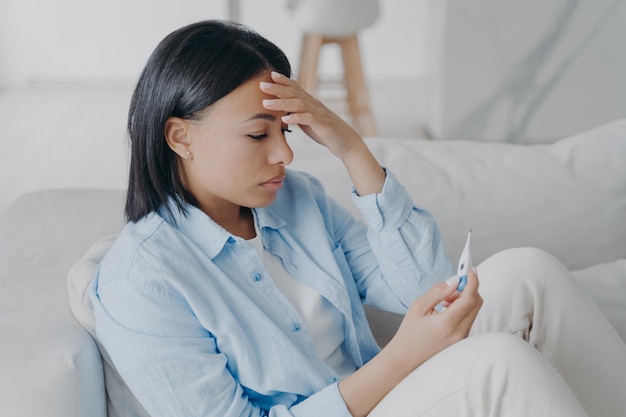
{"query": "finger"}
(280, 91)
(452, 297)
(468, 320)
(290, 105)
(441, 291)
(282, 79)
(281, 84)
(302, 119)
(467, 301)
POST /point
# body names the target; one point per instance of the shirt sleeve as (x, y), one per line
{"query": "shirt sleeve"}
(406, 243)
(173, 365)
(327, 402)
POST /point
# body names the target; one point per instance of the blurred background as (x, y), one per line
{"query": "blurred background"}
(523, 71)
(91, 42)
(517, 71)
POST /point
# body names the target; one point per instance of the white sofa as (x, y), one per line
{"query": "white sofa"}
(568, 198)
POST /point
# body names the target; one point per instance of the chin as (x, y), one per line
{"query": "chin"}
(261, 202)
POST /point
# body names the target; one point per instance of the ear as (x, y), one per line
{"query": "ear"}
(177, 136)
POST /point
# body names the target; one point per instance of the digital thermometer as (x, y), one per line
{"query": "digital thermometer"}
(465, 263)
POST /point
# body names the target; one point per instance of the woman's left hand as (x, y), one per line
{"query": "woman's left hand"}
(315, 119)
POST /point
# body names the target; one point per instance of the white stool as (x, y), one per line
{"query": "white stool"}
(337, 21)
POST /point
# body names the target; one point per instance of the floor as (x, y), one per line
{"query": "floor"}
(57, 136)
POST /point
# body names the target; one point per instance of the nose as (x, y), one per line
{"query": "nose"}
(280, 152)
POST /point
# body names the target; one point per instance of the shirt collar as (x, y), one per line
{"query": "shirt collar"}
(196, 226)
(205, 232)
(267, 217)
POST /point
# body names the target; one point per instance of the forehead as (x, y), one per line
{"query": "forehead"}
(243, 102)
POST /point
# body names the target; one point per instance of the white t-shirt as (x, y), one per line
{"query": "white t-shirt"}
(323, 321)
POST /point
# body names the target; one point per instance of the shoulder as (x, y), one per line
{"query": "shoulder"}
(142, 246)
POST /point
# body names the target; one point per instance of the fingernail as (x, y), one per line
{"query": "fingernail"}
(475, 270)
(265, 84)
(286, 118)
(267, 102)
(453, 280)
(276, 74)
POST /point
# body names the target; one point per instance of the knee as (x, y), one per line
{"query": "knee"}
(522, 263)
(527, 257)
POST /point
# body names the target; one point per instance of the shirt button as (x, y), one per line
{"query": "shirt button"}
(333, 380)
(231, 240)
(295, 327)
(257, 277)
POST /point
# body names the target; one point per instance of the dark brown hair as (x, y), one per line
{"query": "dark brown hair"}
(189, 70)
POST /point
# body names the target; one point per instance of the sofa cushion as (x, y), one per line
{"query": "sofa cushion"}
(79, 279)
(606, 284)
(568, 198)
(120, 400)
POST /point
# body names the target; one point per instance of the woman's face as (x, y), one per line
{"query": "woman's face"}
(238, 151)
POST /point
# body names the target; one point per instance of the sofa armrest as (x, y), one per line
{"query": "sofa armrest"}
(44, 352)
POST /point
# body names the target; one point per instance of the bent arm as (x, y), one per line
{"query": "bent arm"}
(398, 256)
(367, 176)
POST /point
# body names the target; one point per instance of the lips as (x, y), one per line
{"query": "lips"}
(274, 183)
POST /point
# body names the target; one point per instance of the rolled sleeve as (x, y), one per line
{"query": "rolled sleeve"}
(326, 402)
(388, 209)
(406, 242)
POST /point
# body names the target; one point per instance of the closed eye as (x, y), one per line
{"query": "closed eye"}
(258, 137)
(264, 135)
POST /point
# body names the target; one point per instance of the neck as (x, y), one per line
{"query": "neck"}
(239, 223)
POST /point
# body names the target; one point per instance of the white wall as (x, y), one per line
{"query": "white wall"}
(529, 71)
(89, 40)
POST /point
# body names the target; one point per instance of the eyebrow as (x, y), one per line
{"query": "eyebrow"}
(263, 116)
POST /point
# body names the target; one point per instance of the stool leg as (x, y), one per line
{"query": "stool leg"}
(309, 60)
(358, 99)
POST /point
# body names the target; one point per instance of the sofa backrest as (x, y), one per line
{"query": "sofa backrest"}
(568, 198)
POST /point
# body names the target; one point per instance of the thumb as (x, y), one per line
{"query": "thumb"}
(427, 302)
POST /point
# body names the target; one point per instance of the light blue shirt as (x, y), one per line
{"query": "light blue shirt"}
(196, 327)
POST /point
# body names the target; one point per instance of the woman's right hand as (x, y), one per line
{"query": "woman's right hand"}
(314, 118)
(326, 128)
(424, 331)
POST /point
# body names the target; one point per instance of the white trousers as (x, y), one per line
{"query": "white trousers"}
(539, 347)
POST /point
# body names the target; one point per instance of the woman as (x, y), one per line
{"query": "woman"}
(237, 286)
